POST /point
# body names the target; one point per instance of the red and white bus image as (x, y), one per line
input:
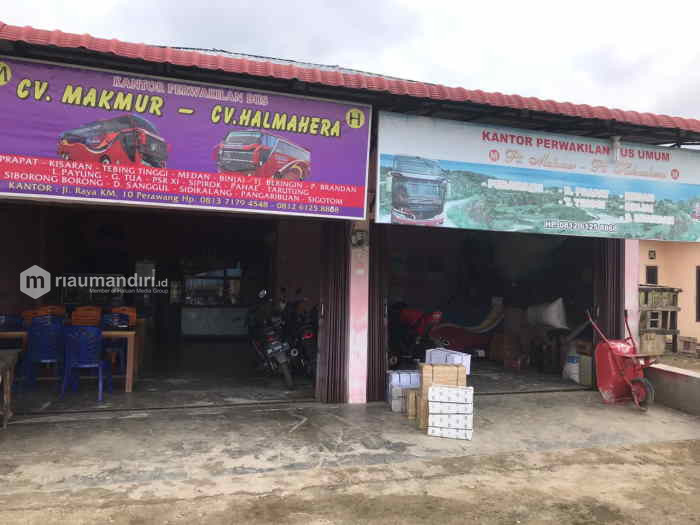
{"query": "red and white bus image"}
(262, 155)
(120, 140)
(418, 191)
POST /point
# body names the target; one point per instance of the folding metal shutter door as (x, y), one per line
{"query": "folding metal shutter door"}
(331, 377)
(609, 285)
(378, 292)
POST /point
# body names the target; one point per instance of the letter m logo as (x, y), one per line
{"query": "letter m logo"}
(35, 282)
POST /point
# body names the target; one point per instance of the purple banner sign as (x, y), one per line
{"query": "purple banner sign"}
(80, 134)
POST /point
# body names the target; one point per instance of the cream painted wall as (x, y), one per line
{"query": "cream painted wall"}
(677, 262)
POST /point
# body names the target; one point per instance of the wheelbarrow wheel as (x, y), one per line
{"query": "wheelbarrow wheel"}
(644, 391)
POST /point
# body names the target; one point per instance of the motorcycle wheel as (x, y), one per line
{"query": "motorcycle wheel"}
(287, 373)
(393, 361)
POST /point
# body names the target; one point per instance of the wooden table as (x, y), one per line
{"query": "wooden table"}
(17, 334)
(132, 360)
(8, 360)
(131, 357)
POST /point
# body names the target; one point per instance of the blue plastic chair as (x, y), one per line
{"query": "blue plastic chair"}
(45, 345)
(84, 350)
(10, 323)
(116, 321)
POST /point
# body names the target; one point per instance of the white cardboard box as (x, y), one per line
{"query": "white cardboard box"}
(397, 398)
(438, 407)
(451, 394)
(452, 433)
(398, 404)
(463, 421)
(402, 379)
(444, 356)
(397, 392)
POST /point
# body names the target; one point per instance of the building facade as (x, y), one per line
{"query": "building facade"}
(363, 158)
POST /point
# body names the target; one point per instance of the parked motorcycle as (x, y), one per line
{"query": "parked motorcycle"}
(265, 328)
(301, 332)
(409, 334)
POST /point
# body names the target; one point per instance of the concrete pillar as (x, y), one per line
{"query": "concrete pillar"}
(632, 285)
(358, 322)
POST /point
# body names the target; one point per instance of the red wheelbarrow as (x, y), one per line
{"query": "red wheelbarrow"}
(620, 369)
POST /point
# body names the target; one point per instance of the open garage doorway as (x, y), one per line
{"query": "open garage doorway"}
(516, 302)
(192, 328)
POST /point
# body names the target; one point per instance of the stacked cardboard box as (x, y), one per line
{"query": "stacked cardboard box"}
(397, 382)
(444, 356)
(451, 411)
(397, 399)
(585, 370)
(411, 395)
(430, 374)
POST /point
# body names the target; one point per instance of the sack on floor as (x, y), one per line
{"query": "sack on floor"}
(549, 314)
(572, 368)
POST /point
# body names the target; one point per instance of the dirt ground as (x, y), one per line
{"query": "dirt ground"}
(654, 483)
(681, 361)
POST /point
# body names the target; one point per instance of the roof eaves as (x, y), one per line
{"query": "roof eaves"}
(336, 77)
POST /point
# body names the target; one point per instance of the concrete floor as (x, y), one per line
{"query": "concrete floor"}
(178, 387)
(207, 448)
(561, 452)
(162, 392)
(138, 448)
(488, 377)
(192, 374)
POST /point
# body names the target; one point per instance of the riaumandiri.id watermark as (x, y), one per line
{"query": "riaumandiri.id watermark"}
(36, 282)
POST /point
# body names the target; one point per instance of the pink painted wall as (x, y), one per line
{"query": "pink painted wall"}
(358, 321)
(632, 285)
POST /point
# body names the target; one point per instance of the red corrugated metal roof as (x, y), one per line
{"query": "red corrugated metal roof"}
(335, 77)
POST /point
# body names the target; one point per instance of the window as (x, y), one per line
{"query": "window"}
(652, 275)
(269, 141)
(214, 287)
(117, 124)
(285, 148)
(417, 165)
(292, 150)
(142, 123)
(242, 138)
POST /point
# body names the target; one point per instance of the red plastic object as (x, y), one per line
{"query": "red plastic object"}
(620, 370)
(419, 321)
(456, 337)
